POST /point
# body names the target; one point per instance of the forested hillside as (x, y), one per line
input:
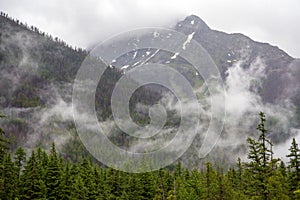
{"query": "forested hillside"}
(37, 73)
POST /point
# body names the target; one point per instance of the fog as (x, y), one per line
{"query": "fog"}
(84, 23)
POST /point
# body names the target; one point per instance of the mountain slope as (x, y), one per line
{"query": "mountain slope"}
(37, 73)
(257, 76)
(226, 49)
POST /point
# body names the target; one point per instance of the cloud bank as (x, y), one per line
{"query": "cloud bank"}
(83, 23)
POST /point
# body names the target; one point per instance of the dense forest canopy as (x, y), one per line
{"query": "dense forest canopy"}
(46, 175)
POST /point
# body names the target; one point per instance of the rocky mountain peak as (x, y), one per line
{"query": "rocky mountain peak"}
(192, 22)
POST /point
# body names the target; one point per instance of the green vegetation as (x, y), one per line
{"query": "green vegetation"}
(47, 176)
(75, 174)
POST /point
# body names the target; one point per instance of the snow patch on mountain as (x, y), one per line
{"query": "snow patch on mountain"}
(125, 67)
(134, 55)
(175, 55)
(189, 38)
(155, 34)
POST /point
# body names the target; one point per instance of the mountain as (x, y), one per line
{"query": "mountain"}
(37, 73)
(257, 76)
(226, 49)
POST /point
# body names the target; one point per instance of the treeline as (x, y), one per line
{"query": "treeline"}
(44, 34)
(47, 176)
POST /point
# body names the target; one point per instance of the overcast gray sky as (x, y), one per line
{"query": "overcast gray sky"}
(83, 23)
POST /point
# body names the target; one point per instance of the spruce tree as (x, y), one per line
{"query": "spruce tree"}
(79, 190)
(99, 174)
(65, 183)
(191, 186)
(86, 173)
(261, 162)
(4, 142)
(32, 185)
(113, 184)
(211, 185)
(147, 189)
(294, 165)
(277, 188)
(53, 175)
(8, 179)
(20, 159)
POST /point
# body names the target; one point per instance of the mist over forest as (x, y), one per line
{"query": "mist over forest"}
(49, 140)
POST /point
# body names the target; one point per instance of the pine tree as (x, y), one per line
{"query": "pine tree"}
(240, 178)
(79, 190)
(277, 188)
(294, 165)
(43, 160)
(3, 142)
(65, 183)
(7, 170)
(261, 162)
(163, 181)
(113, 184)
(20, 159)
(282, 169)
(147, 185)
(211, 186)
(53, 173)
(8, 179)
(191, 186)
(86, 173)
(99, 174)
(32, 185)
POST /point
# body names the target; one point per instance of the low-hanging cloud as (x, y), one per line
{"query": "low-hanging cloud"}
(84, 23)
(243, 103)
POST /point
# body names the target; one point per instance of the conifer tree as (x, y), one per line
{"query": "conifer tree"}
(79, 190)
(86, 173)
(210, 182)
(99, 175)
(32, 186)
(20, 159)
(191, 187)
(113, 185)
(261, 162)
(53, 175)
(4, 143)
(8, 179)
(65, 183)
(146, 181)
(277, 188)
(294, 165)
